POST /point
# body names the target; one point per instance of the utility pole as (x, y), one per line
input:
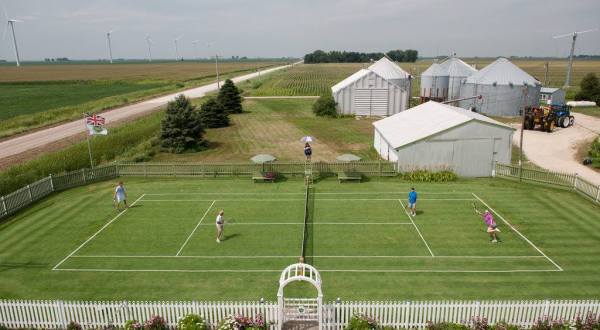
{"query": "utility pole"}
(217, 67)
(522, 129)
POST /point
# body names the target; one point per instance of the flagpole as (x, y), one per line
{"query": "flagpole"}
(89, 144)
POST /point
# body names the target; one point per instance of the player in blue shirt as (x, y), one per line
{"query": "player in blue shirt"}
(412, 202)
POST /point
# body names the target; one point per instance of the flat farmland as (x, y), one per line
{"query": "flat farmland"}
(317, 79)
(38, 95)
(172, 71)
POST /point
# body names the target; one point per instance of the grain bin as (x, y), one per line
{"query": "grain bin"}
(434, 84)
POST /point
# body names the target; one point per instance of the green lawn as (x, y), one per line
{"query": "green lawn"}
(590, 111)
(366, 246)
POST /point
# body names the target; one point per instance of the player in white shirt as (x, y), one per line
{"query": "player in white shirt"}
(120, 196)
(220, 222)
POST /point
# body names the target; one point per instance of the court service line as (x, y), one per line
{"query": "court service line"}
(317, 256)
(300, 199)
(417, 228)
(322, 271)
(195, 228)
(313, 223)
(96, 234)
(518, 232)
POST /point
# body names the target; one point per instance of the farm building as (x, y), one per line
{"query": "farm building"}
(501, 85)
(437, 136)
(442, 81)
(552, 95)
(381, 90)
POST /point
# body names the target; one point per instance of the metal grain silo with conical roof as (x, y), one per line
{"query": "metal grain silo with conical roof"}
(504, 88)
(434, 84)
(457, 72)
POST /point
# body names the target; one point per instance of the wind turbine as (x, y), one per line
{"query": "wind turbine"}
(176, 48)
(149, 42)
(574, 36)
(208, 45)
(108, 34)
(11, 23)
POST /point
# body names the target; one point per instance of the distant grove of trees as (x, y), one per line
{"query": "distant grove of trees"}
(335, 56)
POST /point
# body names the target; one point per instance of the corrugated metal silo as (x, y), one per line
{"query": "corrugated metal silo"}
(434, 83)
(501, 85)
(457, 71)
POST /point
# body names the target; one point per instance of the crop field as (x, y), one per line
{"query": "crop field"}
(301, 80)
(317, 79)
(75, 245)
(39, 95)
(171, 71)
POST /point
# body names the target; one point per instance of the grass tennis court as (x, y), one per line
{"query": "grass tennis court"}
(75, 246)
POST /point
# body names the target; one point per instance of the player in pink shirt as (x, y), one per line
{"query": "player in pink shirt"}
(492, 228)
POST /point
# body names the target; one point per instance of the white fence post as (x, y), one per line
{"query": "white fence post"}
(575, 181)
(4, 204)
(51, 182)
(30, 194)
(83, 174)
(598, 194)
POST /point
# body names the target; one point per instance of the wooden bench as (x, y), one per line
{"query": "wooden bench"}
(349, 176)
(263, 177)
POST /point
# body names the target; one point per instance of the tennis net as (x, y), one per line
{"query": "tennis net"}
(305, 233)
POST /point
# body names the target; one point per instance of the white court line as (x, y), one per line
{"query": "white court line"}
(417, 228)
(278, 257)
(313, 223)
(518, 232)
(301, 199)
(319, 193)
(98, 232)
(322, 270)
(193, 231)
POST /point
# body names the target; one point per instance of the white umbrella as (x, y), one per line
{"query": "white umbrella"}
(307, 139)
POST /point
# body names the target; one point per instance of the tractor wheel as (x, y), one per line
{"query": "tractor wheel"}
(564, 122)
(551, 126)
(571, 120)
(530, 124)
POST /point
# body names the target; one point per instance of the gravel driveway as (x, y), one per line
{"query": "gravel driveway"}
(556, 151)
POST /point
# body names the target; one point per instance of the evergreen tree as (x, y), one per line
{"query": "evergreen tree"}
(181, 129)
(229, 97)
(213, 114)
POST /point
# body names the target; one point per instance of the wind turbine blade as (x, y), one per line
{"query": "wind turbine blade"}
(17, 21)
(563, 35)
(586, 31)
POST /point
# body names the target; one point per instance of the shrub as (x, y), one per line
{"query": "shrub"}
(74, 326)
(478, 323)
(155, 323)
(229, 97)
(589, 89)
(590, 322)
(361, 322)
(181, 129)
(546, 323)
(505, 326)
(446, 326)
(3, 327)
(325, 106)
(240, 322)
(427, 176)
(213, 114)
(133, 325)
(192, 322)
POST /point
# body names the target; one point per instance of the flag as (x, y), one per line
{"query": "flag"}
(95, 125)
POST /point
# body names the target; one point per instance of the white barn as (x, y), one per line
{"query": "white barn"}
(381, 90)
(437, 136)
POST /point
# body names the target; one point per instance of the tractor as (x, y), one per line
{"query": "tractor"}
(563, 115)
(542, 118)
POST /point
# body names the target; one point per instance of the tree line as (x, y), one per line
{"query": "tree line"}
(335, 56)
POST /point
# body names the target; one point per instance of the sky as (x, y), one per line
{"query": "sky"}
(280, 28)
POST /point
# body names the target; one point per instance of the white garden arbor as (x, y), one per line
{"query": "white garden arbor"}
(300, 309)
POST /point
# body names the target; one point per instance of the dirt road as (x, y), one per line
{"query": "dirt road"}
(556, 151)
(42, 137)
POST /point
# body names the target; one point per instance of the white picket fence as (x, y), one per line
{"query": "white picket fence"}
(57, 314)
